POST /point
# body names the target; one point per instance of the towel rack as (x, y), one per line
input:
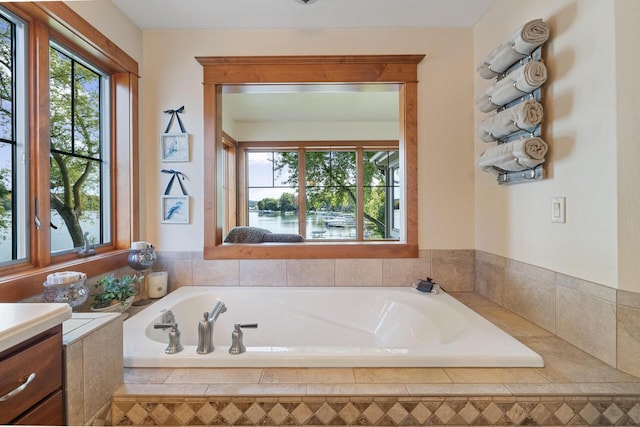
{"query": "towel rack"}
(504, 177)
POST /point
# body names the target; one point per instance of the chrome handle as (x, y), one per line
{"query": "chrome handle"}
(247, 325)
(19, 388)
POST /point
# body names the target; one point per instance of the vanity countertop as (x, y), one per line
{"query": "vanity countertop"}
(21, 321)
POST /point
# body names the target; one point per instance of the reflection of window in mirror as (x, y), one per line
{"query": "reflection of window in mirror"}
(333, 160)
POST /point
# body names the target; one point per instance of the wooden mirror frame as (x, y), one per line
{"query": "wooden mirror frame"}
(218, 71)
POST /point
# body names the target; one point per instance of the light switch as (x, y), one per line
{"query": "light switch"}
(558, 209)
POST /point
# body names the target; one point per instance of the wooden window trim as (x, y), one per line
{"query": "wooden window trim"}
(218, 71)
(55, 20)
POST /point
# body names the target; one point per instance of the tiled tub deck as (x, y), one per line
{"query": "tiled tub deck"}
(572, 389)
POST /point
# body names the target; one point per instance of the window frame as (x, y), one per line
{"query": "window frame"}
(55, 22)
(303, 147)
(218, 71)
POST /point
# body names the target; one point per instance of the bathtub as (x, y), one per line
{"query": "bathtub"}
(325, 327)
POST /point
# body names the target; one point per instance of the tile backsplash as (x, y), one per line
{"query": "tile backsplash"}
(600, 320)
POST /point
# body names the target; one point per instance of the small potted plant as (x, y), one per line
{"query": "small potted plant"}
(115, 294)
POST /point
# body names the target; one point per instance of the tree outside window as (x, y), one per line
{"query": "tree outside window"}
(78, 185)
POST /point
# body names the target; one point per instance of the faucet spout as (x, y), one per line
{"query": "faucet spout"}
(219, 308)
(205, 328)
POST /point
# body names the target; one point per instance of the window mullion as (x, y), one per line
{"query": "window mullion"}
(359, 194)
(302, 192)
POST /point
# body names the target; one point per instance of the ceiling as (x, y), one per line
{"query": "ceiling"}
(211, 14)
(341, 105)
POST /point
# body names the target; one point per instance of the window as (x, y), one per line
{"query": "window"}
(68, 147)
(80, 185)
(13, 243)
(390, 195)
(343, 195)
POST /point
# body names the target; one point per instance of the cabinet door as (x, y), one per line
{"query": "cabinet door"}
(47, 413)
(44, 359)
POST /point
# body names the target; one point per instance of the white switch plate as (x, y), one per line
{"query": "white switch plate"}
(558, 209)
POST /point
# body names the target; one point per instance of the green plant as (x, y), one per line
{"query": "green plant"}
(111, 290)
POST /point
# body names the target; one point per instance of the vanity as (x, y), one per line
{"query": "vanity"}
(31, 363)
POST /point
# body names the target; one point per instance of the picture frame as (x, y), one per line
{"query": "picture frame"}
(174, 147)
(175, 210)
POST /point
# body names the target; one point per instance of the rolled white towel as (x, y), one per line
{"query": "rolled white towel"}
(521, 43)
(521, 116)
(526, 153)
(524, 80)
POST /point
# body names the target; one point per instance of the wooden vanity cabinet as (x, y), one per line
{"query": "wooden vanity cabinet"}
(41, 401)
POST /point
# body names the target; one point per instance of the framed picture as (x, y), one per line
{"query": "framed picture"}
(175, 210)
(174, 147)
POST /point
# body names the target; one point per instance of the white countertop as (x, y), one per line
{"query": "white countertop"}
(21, 321)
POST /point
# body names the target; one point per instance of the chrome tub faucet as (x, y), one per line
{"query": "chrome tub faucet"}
(205, 328)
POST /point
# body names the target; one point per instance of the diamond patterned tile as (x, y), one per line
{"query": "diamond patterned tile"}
(184, 413)
(137, 414)
(278, 413)
(589, 413)
(468, 412)
(421, 413)
(397, 413)
(493, 413)
(634, 413)
(255, 413)
(517, 414)
(540, 414)
(373, 413)
(445, 413)
(231, 413)
(349, 413)
(326, 413)
(207, 412)
(301, 413)
(564, 413)
(613, 413)
(161, 414)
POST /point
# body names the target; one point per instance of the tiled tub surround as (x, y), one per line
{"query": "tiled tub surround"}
(600, 320)
(573, 388)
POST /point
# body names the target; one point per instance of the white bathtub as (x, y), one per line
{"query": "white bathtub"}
(325, 327)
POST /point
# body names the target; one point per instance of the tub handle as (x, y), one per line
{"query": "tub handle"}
(247, 325)
(237, 346)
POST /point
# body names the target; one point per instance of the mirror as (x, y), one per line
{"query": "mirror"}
(333, 76)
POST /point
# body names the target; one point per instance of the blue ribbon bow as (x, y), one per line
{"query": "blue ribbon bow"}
(174, 174)
(175, 113)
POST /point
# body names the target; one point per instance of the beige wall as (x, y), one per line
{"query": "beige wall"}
(174, 78)
(113, 23)
(580, 127)
(627, 16)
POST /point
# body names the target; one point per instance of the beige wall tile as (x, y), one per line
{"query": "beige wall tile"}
(564, 363)
(74, 384)
(454, 269)
(310, 375)
(404, 271)
(495, 375)
(183, 390)
(358, 272)
(213, 376)
(555, 388)
(358, 389)
(628, 335)
(530, 292)
(102, 365)
(458, 389)
(513, 324)
(256, 389)
(310, 272)
(491, 258)
(599, 291)
(490, 280)
(146, 375)
(401, 375)
(631, 299)
(587, 322)
(216, 272)
(263, 272)
(179, 272)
